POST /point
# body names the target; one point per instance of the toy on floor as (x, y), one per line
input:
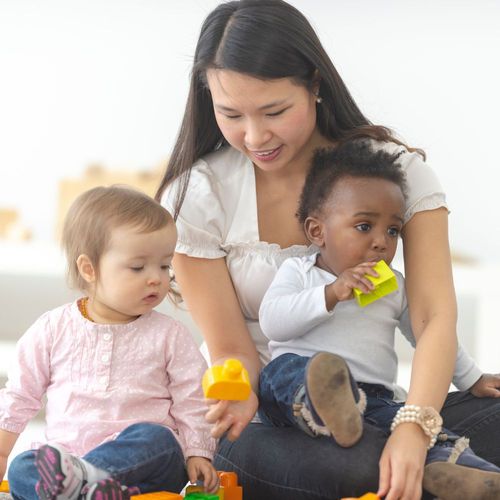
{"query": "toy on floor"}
(200, 495)
(229, 483)
(229, 381)
(228, 490)
(385, 284)
(366, 496)
(159, 495)
(4, 491)
(194, 491)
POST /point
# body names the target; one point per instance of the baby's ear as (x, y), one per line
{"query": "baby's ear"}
(314, 229)
(86, 268)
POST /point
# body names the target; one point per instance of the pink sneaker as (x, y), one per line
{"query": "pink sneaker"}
(107, 489)
(61, 474)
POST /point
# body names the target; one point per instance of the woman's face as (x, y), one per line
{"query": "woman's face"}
(273, 122)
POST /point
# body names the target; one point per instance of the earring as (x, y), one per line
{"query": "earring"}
(319, 99)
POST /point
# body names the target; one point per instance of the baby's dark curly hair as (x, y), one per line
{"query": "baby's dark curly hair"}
(355, 159)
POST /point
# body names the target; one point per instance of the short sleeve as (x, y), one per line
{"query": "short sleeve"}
(424, 189)
(201, 220)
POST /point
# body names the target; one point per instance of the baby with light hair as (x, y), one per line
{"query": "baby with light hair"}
(125, 410)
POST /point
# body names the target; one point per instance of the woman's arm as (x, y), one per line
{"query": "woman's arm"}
(207, 288)
(433, 314)
(432, 306)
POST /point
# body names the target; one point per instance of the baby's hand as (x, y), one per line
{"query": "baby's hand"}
(488, 386)
(202, 468)
(354, 277)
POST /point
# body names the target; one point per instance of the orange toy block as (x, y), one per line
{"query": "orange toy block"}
(230, 381)
(229, 483)
(366, 496)
(228, 490)
(4, 487)
(158, 495)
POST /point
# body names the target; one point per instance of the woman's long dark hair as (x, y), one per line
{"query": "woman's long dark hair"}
(266, 39)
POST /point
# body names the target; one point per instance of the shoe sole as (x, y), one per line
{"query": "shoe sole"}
(450, 481)
(42, 492)
(49, 466)
(329, 390)
(107, 489)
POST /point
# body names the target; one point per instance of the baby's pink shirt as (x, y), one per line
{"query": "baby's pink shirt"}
(99, 379)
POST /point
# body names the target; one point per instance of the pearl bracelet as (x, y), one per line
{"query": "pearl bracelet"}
(427, 417)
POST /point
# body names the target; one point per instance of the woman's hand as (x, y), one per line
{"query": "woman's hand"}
(231, 416)
(402, 463)
(488, 386)
(202, 468)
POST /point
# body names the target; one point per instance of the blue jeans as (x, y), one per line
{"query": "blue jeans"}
(381, 410)
(284, 462)
(144, 455)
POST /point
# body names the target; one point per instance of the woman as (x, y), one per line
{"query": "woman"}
(264, 95)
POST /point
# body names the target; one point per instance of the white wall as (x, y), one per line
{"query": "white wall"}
(105, 81)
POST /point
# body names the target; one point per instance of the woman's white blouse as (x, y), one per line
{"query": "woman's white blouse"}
(218, 219)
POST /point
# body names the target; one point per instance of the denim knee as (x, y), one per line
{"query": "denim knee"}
(23, 475)
(156, 432)
(144, 455)
(22, 466)
(157, 436)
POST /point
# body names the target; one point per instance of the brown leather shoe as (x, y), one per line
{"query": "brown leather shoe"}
(449, 481)
(329, 391)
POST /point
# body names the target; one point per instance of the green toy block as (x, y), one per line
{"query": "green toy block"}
(198, 495)
(385, 284)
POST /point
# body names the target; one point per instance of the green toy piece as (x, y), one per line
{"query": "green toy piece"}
(198, 495)
(385, 284)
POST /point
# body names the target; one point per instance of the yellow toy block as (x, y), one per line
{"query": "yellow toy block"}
(159, 495)
(366, 496)
(385, 284)
(230, 381)
(4, 487)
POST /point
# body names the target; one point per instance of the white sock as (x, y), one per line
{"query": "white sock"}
(93, 473)
(85, 473)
